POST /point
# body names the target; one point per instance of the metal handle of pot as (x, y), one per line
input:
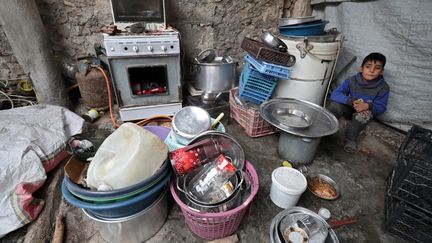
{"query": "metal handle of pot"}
(178, 187)
(194, 68)
(211, 51)
(241, 180)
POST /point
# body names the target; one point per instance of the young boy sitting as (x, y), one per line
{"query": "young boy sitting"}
(361, 97)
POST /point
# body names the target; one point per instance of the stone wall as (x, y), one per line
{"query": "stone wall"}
(73, 26)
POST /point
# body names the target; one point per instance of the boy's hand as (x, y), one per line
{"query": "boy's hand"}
(359, 105)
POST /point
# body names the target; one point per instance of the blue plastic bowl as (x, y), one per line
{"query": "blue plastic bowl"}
(126, 192)
(316, 28)
(94, 196)
(119, 209)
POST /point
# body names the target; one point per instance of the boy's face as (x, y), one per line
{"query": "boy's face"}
(371, 70)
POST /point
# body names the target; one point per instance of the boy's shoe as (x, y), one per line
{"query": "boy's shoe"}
(350, 146)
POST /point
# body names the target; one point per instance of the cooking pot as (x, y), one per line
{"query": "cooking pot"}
(217, 75)
(297, 149)
(298, 144)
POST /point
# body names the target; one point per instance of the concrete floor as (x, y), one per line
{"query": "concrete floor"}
(361, 177)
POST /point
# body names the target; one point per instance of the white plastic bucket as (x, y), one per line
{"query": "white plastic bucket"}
(287, 186)
(312, 71)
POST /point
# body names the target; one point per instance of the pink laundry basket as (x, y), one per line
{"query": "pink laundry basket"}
(212, 226)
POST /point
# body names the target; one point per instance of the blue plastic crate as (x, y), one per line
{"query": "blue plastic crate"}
(269, 68)
(254, 86)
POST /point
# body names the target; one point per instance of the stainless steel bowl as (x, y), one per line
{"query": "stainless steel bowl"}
(330, 181)
(229, 146)
(273, 42)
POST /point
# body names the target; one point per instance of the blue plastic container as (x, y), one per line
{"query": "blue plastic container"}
(94, 196)
(255, 86)
(119, 209)
(274, 70)
(315, 28)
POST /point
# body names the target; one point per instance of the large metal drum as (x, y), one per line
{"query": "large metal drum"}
(311, 74)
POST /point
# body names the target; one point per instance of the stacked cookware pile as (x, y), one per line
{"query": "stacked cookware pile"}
(299, 225)
(214, 185)
(210, 172)
(130, 213)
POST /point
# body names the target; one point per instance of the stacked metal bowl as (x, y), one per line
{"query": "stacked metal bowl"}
(298, 224)
(232, 150)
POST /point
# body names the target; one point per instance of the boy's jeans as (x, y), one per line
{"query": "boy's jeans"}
(358, 122)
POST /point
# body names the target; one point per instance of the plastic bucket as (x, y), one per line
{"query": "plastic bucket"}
(210, 225)
(287, 186)
(311, 74)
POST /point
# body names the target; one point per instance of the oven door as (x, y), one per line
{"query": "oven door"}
(143, 81)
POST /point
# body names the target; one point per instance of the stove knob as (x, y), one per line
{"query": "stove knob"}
(112, 49)
(163, 48)
(135, 48)
(150, 48)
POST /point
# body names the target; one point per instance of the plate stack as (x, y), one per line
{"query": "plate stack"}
(408, 207)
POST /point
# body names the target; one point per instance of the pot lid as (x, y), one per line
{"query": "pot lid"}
(299, 117)
(191, 121)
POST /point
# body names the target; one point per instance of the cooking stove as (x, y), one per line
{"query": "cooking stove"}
(145, 71)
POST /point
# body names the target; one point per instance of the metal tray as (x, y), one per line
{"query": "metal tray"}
(297, 20)
(322, 121)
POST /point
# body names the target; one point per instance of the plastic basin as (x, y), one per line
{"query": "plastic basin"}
(304, 29)
(94, 196)
(127, 192)
(122, 208)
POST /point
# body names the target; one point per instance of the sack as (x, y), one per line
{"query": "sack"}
(129, 155)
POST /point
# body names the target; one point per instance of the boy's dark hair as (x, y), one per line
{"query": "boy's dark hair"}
(375, 56)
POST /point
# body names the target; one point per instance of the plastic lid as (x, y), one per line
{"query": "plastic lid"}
(324, 213)
(289, 180)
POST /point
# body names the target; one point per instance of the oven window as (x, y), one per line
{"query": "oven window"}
(138, 10)
(148, 80)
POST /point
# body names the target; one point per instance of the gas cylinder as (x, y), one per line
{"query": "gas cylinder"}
(92, 86)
